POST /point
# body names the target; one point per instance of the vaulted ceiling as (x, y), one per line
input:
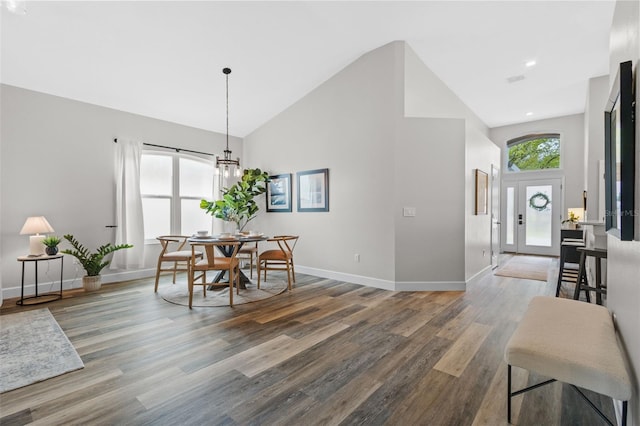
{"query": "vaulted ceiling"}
(164, 59)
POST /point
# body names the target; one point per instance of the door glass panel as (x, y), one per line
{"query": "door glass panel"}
(510, 215)
(538, 215)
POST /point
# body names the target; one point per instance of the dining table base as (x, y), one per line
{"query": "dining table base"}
(215, 286)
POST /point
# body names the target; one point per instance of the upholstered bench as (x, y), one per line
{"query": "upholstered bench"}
(572, 342)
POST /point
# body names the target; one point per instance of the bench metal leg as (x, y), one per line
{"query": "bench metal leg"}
(600, 413)
(509, 394)
(624, 413)
(518, 392)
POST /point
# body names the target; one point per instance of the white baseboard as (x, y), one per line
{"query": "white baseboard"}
(351, 278)
(431, 286)
(385, 284)
(480, 274)
(75, 282)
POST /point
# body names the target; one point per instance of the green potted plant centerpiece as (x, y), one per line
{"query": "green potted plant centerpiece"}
(51, 242)
(92, 263)
(237, 203)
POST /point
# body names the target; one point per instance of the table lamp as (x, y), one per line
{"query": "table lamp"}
(36, 225)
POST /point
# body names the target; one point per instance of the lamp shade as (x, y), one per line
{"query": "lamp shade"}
(36, 225)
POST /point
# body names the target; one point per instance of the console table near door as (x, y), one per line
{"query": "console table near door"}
(39, 298)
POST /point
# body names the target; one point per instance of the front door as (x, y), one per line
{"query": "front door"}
(533, 210)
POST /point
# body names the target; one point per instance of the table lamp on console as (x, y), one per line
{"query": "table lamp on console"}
(36, 225)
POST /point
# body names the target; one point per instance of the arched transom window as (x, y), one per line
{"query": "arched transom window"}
(534, 152)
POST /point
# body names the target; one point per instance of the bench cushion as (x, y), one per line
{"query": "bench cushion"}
(573, 342)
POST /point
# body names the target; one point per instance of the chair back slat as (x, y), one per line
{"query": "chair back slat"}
(286, 242)
(166, 240)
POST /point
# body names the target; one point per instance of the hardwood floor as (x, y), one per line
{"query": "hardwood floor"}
(327, 353)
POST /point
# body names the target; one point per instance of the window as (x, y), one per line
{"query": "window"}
(534, 152)
(172, 186)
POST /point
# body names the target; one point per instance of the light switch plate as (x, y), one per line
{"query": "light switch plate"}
(409, 211)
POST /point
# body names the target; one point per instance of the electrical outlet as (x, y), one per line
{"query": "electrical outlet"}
(356, 257)
(484, 253)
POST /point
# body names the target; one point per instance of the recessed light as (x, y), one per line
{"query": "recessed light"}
(529, 114)
(530, 63)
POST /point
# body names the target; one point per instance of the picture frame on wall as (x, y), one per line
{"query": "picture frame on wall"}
(620, 155)
(279, 193)
(313, 190)
(482, 193)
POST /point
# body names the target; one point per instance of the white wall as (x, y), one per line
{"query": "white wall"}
(597, 95)
(427, 96)
(571, 129)
(346, 125)
(430, 177)
(57, 161)
(623, 263)
(480, 153)
(379, 162)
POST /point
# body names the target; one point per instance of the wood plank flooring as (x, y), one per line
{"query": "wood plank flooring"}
(327, 353)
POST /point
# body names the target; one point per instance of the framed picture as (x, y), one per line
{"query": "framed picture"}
(279, 194)
(313, 190)
(482, 186)
(620, 155)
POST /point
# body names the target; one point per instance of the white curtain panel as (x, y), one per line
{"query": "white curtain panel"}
(129, 219)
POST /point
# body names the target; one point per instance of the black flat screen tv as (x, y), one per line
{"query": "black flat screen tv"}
(620, 156)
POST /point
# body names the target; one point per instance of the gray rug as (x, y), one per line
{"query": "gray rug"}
(178, 293)
(33, 348)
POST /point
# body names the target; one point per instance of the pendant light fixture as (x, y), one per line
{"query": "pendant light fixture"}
(224, 163)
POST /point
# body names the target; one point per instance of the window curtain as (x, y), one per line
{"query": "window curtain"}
(129, 220)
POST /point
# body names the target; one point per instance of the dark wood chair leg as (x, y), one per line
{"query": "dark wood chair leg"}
(563, 252)
(582, 275)
(598, 281)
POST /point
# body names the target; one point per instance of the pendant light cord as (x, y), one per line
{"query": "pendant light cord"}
(227, 153)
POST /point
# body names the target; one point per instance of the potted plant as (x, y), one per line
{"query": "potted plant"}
(237, 203)
(571, 221)
(92, 263)
(51, 242)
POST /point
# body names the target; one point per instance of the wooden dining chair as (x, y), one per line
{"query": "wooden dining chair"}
(280, 259)
(172, 252)
(214, 262)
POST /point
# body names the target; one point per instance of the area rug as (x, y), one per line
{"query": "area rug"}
(179, 294)
(33, 348)
(527, 267)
